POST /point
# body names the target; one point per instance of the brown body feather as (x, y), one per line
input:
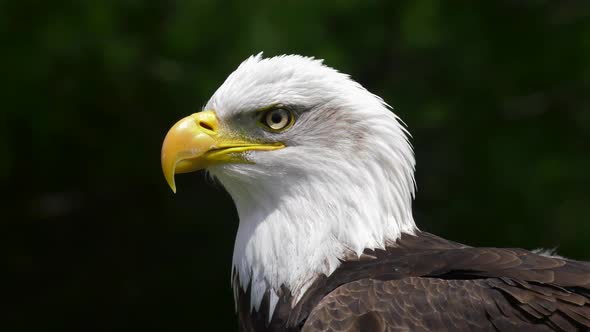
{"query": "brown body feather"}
(426, 283)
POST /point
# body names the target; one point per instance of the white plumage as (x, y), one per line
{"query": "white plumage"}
(343, 183)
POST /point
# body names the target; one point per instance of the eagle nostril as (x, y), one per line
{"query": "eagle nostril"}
(205, 125)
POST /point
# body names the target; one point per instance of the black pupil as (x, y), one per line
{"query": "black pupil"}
(276, 117)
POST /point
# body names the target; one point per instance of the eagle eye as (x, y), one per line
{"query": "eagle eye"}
(277, 119)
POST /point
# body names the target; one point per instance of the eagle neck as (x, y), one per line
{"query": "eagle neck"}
(287, 238)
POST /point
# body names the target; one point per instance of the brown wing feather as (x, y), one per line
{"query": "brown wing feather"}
(426, 283)
(419, 304)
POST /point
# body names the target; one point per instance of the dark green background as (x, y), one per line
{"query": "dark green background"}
(496, 95)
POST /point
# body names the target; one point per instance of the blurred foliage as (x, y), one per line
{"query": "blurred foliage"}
(496, 95)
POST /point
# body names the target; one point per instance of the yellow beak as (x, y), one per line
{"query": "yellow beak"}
(195, 143)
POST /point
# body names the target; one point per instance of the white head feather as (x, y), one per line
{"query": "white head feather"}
(343, 183)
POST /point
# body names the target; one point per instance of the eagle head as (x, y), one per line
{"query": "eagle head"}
(317, 166)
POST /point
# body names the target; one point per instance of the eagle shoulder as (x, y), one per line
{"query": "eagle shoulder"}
(426, 284)
(432, 304)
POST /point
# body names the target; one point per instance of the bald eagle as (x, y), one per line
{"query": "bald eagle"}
(322, 175)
